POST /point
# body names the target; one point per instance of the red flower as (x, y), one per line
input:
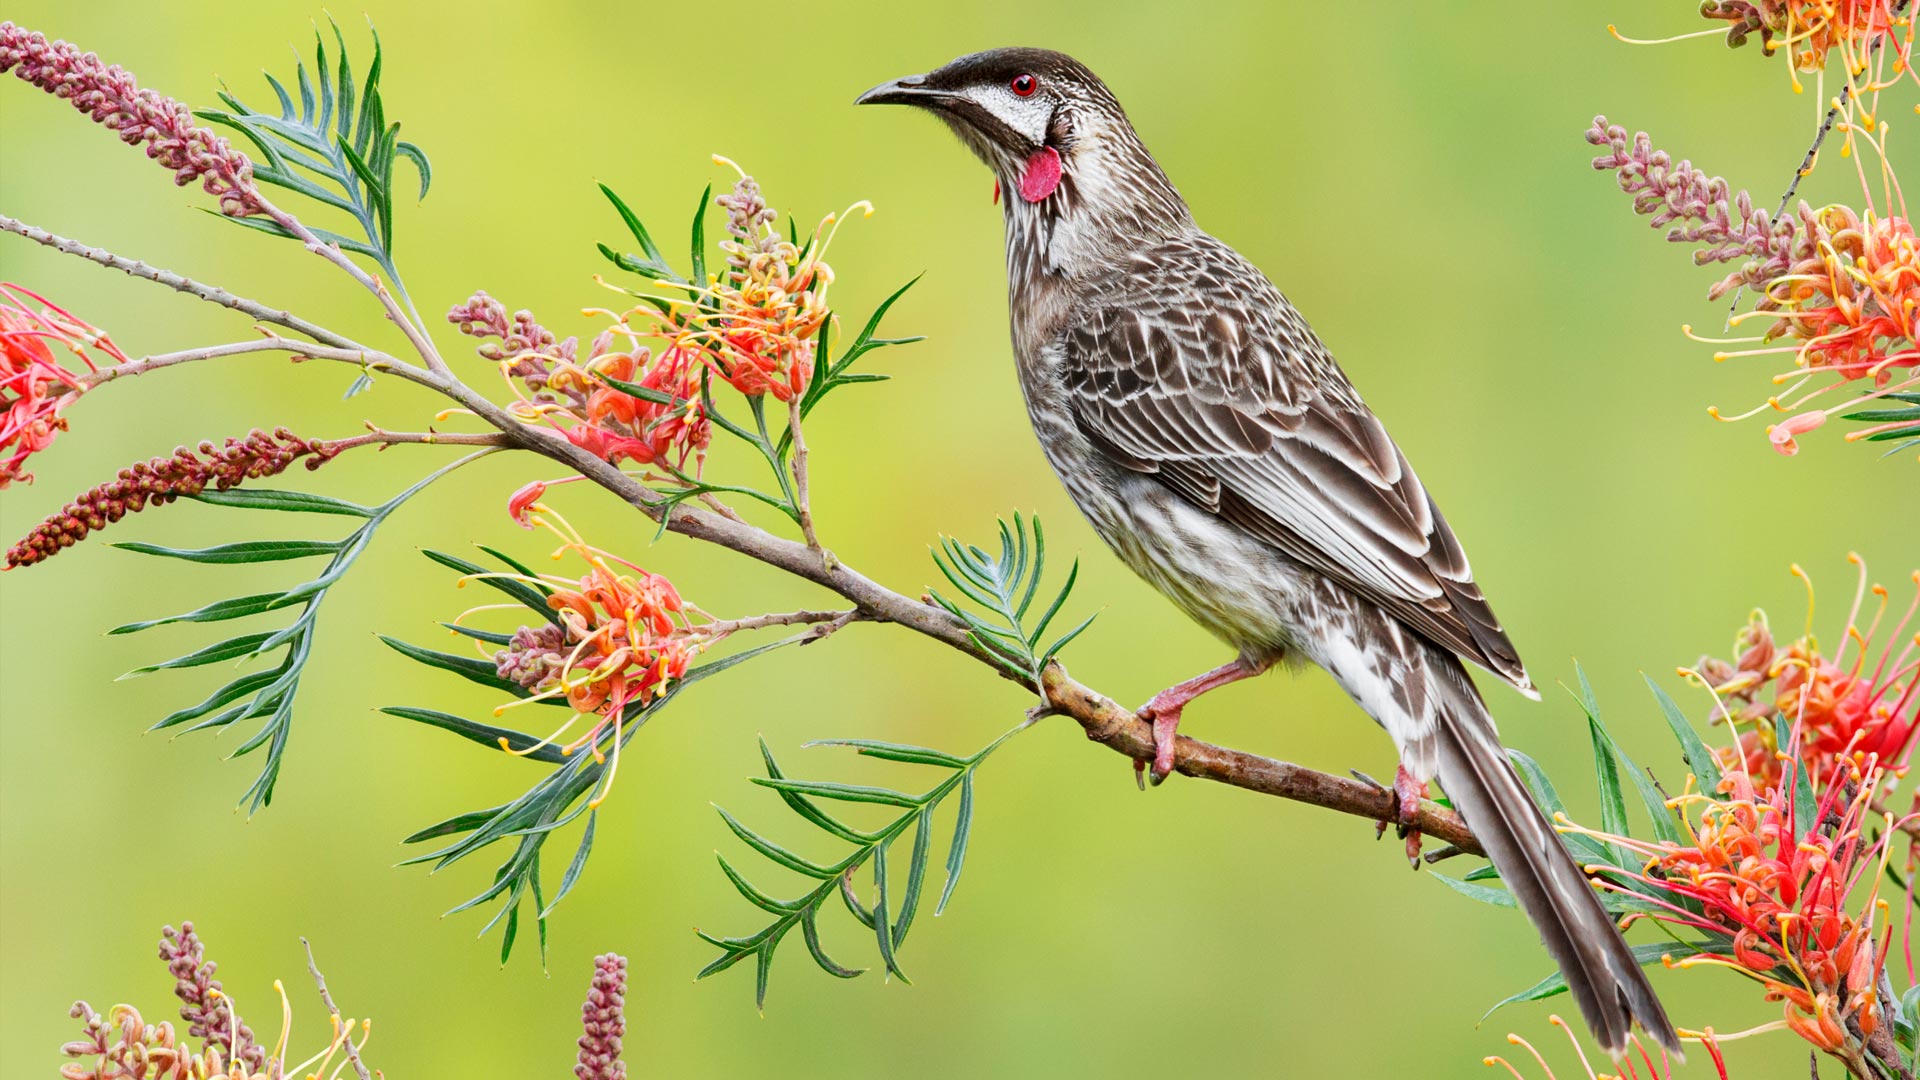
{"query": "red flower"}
(34, 386)
(624, 637)
(1781, 891)
(1842, 708)
(756, 324)
(556, 387)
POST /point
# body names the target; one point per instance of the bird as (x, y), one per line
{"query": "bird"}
(1207, 435)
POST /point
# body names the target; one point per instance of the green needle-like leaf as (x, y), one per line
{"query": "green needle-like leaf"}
(1698, 757)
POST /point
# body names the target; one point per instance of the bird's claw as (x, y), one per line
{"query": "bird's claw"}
(1407, 794)
(1166, 724)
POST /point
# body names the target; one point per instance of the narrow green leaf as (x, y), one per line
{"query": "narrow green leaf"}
(459, 823)
(1698, 757)
(916, 874)
(471, 668)
(774, 852)
(882, 924)
(754, 896)
(226, 650)
(484, 734)
(241, 687)
(806, 809)
(534, 598)
(886, 751)
(1613, 805)
(247, 551)
(1063, 640)
(1805, 807)
(487, 636)
(824, 789)
(1556, 983)
(811, 931)
(957, 851)
(238, 607)
(640, 236)
(1664, 825)
(295, 501)
(572, 874)
(1496, 897)
(375, 190)
(700, 237)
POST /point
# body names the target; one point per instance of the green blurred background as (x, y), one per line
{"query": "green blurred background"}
(1416, 182)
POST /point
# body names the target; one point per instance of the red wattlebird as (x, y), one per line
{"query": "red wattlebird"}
(1211, 440)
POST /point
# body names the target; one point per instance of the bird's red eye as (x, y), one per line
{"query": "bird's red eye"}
(1024, 85)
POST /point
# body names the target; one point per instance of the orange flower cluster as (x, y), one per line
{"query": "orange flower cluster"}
(1809, 30)
(624, 636)
(553, 385)
(1782, 897)
(1841, 710)
(756, 324)
(1850, 304)
(35, 387)
(620, 426)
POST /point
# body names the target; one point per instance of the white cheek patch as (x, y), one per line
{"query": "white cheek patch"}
(1027, 115)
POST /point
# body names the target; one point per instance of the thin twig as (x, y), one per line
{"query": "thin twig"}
(377, 361)
(320, 982)
(426, 438)
(416, 336)
(802, 501)
(723, 627)
(211, 294)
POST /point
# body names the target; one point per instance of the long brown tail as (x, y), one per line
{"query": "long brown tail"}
(1605, 979)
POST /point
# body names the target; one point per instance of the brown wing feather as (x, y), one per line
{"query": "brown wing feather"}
(1204, 376)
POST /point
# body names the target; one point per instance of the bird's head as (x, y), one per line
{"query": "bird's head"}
(1053, 134)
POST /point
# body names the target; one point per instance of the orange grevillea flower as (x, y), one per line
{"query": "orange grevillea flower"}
(1809, 31)
(1838, 290)
(1873, 38)
(554, 385)
(623, 637)
(1798, 908)
(36, 385)
(1848, 308)
(1779, 875)
(1847, 705)
(1630, 1069)
(756, 323)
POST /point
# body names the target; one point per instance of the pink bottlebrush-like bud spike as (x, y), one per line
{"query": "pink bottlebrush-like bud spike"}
(109, 96)
(603, 1021)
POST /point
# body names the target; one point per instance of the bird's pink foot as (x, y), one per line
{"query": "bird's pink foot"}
(1164, 712)
(1407, 793)
(1165, 708)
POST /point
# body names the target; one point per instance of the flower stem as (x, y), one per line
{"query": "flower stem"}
(802, 503)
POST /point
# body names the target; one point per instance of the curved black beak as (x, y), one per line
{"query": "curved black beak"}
(911, 90)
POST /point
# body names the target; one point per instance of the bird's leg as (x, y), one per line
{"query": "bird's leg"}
(1165, 708)
(1407, 793)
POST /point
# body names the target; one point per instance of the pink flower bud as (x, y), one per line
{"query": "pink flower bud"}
(1782, 434)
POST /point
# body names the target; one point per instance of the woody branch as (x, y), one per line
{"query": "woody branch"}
(1104, 721)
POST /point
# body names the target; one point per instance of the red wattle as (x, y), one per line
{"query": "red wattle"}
(996, 191)
(1041, 176)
